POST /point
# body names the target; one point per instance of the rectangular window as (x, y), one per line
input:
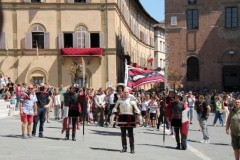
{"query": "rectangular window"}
(95, 40)
(192, 1)
(37, 80)
(173, 21)
(80, 1)
(231, 16)
(38, 39)
(37, 1)
(192, 19)
(68, 40)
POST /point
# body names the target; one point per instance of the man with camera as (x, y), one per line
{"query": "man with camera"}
(43, 101)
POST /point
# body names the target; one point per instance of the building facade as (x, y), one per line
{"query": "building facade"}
(42, 39)
(159, 50)
(202, 44)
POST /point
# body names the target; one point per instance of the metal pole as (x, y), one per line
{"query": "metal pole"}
(107, 39)
(164, 122)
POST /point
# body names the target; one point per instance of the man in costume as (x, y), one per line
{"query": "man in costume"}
(71, 112)
(179, 121)
(127, 108)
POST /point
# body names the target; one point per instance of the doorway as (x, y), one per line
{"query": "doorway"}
(231, 78)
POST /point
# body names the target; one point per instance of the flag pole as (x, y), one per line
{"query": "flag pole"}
(83, 110)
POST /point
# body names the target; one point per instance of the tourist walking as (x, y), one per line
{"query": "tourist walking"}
(27, 108)
(233, 123)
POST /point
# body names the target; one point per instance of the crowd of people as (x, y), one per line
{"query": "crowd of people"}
(35, 102)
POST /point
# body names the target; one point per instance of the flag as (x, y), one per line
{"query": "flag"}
(7, 50)
(37, 49)
(150, 59)
(83, 71)
(126, 73)
(139, 77)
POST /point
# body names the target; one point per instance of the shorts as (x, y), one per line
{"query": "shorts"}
(191, 111)
(106, 111)
(26, 118)
(199, 116)
(48, 109)
(152, 116)
(235, 142)
(143, 113)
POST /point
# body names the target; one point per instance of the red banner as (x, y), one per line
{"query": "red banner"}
(138, 77)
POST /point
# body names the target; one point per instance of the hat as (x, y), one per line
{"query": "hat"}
(179, 95)
(74, 85)
(120, 84)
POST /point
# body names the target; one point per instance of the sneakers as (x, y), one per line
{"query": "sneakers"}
(214, 125)
(204, 141)
(41, 136)
(48, 121)
(30, 136)
(157, 130)
(24, 136)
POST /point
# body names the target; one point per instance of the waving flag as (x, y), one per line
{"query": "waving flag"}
(150, 59)
(138, 77)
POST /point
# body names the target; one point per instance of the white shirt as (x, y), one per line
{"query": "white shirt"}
(152, 110)
(191, 101)
(111, 98)
(27, 104)
(100, 100)
(57, 100)
(2, 82)
(145, 105)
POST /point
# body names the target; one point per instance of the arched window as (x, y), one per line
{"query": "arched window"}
(79, 37)
(192, 69)
(37, 37)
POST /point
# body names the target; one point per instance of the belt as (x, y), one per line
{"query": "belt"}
(177, 116)
(72, 105)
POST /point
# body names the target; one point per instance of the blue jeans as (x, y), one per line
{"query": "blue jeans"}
(219, 116)
(40, 116)
(18, 100)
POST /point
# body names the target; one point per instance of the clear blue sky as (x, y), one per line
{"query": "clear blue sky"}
(155, 8)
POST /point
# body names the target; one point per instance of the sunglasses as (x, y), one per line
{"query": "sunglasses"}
(30, 88)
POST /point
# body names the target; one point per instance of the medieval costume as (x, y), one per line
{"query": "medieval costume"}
(72, 109)
(126, 108)
(177, 107)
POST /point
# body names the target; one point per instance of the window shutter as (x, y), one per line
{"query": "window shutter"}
(70, 1)
(60, 41)
(87, 40)
(27, 1)
(46, 40)
(3, 41)
(102, 40)
(173, 21)
(75, 44)
(88, 1)
(28, 40)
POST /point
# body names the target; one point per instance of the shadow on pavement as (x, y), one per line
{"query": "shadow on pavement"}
(105, 133)
(54, 127)
(156, 133)
(194, 130)
(168, 147)
(221, 144)
(12, 136)
(189, 140)
(105, 149)
(52, 138)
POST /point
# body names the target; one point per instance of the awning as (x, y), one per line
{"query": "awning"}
(97, 52)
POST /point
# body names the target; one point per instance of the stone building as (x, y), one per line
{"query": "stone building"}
(159, 50)
(41, 39)
(203, 40)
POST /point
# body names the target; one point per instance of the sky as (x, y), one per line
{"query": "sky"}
(155, 8)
